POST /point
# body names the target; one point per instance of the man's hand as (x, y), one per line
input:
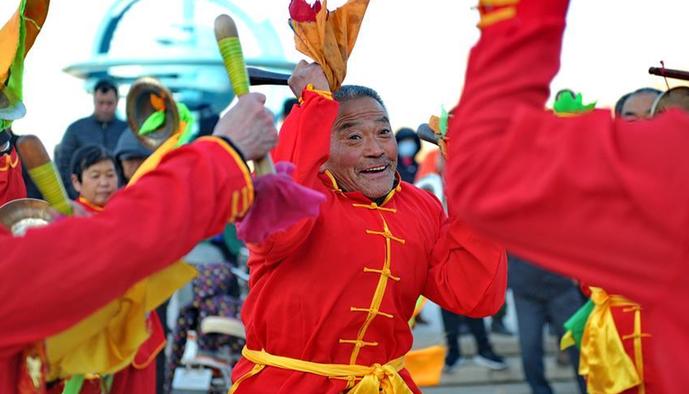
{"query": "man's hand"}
(307, 73)
(249, 124)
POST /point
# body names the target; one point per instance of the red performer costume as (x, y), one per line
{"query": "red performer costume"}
(204, 177)
(599, 199)
(11, 181)
(341, 288)
(140, 376)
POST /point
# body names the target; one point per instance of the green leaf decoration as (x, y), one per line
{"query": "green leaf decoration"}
(152, 123)
(567, 103)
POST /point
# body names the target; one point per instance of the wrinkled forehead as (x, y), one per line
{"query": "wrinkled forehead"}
(360, 111)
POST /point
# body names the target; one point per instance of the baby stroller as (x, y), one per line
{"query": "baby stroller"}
(208, 337)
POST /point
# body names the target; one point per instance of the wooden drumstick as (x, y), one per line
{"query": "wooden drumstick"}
(669, 73)
(231, 52)
(43, 173)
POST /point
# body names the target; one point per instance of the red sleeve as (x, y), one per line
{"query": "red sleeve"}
(468, 273)
(601, 200)
(305, 142)
(56, 275)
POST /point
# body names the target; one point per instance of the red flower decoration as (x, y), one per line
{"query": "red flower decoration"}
(301, 11)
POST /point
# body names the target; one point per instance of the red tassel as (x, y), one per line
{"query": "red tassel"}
(301, 11)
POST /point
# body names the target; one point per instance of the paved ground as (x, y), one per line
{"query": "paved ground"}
(513, 388)
(474, 379)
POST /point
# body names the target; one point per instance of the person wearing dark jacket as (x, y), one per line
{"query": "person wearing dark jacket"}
(100, 128)
(408, 146)
(541, 296)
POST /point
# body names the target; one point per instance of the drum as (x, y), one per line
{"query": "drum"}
(146, 96)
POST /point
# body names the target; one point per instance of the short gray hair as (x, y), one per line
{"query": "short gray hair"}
(351, 92)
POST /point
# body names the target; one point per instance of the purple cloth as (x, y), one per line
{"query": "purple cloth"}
(280, 202)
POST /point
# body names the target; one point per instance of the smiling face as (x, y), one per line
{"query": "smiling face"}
(363, 150)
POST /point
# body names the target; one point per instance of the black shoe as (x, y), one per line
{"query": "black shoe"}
(489, 359)
(497, 327)
(452, 367)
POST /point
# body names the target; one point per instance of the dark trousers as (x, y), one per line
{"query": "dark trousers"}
(452, 322)
(532, 314)
(161, 358)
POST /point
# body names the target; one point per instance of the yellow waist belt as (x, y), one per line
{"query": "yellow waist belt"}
(374, 379)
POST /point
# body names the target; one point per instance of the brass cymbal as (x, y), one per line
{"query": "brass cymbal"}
(19, 215)
(677, 97)
(140, 107)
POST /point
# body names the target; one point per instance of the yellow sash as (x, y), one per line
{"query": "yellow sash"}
(604, 362)
(374, 379)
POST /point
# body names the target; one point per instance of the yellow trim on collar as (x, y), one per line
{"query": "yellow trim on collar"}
(496, 16)
(333, 181)
(498, 3)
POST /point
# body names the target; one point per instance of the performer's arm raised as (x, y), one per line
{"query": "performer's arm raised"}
(588, 196)
(305, 142)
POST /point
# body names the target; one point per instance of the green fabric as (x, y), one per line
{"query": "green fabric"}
(13, 88)
(188, 119)
(568, 104)
(152, 123)
(444, 116)
(233, 243)
(577, 323)
(73, 385)
(106, 383)
(157, 119)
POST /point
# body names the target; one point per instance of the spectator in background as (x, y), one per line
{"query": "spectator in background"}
(93, 176)
(637, 104)
(130, 153)
(287, 106)
(485, 355)
(101, 128)
(408, 146)
(539, 297)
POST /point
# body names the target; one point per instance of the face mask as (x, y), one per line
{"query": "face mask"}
(406, 148)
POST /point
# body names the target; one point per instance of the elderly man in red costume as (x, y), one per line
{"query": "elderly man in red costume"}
(204, 176)
(331, 297)
(596, 198)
